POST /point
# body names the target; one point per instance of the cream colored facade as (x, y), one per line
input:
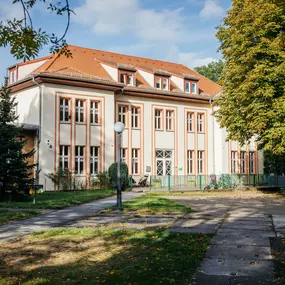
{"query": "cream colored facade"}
(162, 136)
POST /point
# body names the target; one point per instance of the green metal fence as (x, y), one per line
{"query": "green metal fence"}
(208, 182)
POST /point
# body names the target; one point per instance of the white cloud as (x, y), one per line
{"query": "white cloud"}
(211, 9)
(190, 59)
(126, 17)
(9, 11)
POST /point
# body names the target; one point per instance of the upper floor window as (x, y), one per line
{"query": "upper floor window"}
(190, 122)
(135, 117)
(158, 119)
(162, 83)
(127, 78)
(63, 157)
(251, 162)
(94, 112)
(79, 116)
(200, 123)
(233, 161)
(242, 161)
(12, 78)
(94, 160)
(169, 120)
(194, 88)
(64, 110)
(79, 159)
(123, 114)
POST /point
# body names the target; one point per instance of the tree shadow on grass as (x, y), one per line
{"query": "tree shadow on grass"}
(92, 256)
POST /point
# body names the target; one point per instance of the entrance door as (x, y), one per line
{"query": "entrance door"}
(164, 162)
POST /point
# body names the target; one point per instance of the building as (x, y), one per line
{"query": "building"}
(68, 107)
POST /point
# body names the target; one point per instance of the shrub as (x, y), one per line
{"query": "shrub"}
(64, 180)
(112, 172)
(101, 181)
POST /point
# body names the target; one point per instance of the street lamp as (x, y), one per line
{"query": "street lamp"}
(119, 128)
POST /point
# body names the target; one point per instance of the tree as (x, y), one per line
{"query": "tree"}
(252, 102)
(212, 71)
(274, 163)
(25, 41)
(15, 171)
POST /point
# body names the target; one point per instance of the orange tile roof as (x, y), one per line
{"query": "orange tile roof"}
(87, 62)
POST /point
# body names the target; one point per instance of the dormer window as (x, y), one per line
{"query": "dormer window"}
(194, 88)
(191, 87)
(127, 78)
(162, 83)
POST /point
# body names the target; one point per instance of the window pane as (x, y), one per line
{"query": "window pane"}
(187, 87)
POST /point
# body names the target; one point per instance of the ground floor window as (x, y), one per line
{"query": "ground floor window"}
(251, 162)
(242, 162)
(64, 157)
(190, 162)
(164, 162)
(200, 161)
(135, 161)
(233, 161)
(94, 160)
(79, 159)
(124, 155)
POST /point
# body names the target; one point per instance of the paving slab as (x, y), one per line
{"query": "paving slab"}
(249, 218)
(252, 221)
(236, 267)
(189, 223)
(244, 226)
(242, 240)
(239, 252)
(279, 221)
(232, 280)
(233, 234)
(56, 218)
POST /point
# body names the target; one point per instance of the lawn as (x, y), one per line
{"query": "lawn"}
(93, 256)
(58, 200)
(9, 216)
(149, 204)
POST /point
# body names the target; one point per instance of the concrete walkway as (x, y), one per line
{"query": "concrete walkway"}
(56, 218)
(240, 252)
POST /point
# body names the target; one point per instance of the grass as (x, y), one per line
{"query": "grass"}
(58, 200)
(93, 256)
(10, 216)
(149, 204)
(222, 193)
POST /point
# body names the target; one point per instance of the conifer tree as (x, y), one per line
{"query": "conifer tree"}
(15, 171)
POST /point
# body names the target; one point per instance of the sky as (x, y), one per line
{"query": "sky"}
(181, 31)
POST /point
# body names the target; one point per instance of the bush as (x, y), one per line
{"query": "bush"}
(64, 180)
(112, 172)
(101, 181)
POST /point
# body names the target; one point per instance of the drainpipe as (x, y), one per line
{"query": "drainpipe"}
(39, 133)
(213, 136)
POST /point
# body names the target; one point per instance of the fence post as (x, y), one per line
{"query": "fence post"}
(150, 183)
(168, 183)
(253, 180)
(131, 182)
(200, 181)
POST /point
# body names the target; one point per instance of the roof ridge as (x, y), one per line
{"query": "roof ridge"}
(157, 60)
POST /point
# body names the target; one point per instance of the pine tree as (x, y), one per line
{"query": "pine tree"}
(15, 171)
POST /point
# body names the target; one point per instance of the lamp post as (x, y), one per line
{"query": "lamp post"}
(119, 128)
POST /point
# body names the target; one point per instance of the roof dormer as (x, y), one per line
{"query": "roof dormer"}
(127, 74)
(162, 80)
(191, 84)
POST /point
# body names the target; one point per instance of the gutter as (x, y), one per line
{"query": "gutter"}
(39, 131)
